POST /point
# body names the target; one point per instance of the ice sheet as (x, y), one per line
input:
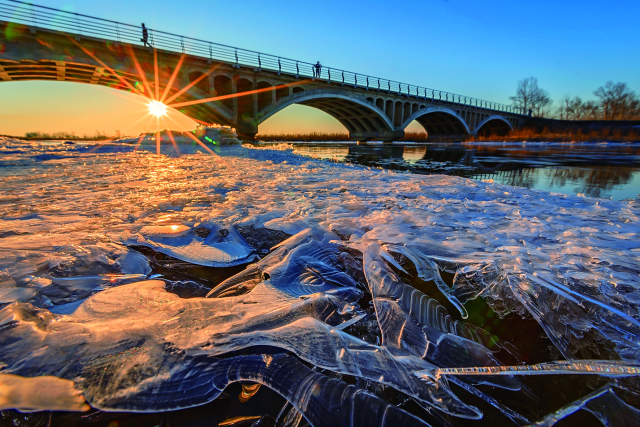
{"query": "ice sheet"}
(68, 214)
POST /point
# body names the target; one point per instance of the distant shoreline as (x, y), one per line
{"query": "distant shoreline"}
(534, 130)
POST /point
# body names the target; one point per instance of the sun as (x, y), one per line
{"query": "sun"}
(157, 108)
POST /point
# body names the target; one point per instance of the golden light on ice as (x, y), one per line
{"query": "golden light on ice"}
(157, 108)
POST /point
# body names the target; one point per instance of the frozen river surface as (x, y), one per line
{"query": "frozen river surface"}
(142, 283)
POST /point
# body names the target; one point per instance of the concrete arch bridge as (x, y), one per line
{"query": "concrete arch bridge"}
(218, 84)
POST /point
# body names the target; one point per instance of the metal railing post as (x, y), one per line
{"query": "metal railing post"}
(210, 51)
(356, 81)
(328, 75)
(33, 16)
(378, 85)
(279, 67)
(389, 84)
(343, 78)
(259, 63)
(117, 32)
(367, 82)
(297, 70)
(182, 46)
(237, 65)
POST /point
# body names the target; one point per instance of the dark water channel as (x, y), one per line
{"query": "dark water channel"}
(605, 170)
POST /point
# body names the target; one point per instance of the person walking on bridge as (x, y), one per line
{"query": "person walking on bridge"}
(318, 68)
(145, 36)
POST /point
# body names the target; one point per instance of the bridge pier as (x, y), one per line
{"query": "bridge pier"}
(384, 136)
(246, 130)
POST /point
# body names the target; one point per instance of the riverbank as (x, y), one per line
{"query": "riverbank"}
(534, 130)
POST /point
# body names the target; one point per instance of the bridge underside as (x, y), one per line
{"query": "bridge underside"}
(494, 127)
(361, 123)
(442, 124)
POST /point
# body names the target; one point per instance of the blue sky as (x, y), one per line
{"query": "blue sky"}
(475, 48)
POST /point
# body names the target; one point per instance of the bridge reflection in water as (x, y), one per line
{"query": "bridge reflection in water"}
(595, 170)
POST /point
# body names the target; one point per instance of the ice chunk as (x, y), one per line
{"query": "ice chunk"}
(45, 393)
(398, 315)
(153, 338)
(608, 408)
(222, 246)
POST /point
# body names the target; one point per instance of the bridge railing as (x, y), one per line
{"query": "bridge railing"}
(83, 25)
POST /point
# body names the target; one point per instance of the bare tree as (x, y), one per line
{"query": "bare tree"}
(590, 111)
(531, 98)
(561, 112)
(524, 94)
(575, 109)
(618, 102)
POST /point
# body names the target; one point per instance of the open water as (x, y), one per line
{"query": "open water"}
(603, 170)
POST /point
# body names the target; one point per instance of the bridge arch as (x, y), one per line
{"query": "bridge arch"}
(494, 125)
(356, 115)
(203, 84)
(439, 121)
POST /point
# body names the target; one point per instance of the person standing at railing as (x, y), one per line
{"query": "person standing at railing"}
(318, 68)
(145, 36)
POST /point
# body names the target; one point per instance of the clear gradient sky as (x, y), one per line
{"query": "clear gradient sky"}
(478, 48)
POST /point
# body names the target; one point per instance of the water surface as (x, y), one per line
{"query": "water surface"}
(604, 170)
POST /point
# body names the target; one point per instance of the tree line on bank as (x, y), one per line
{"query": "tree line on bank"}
(615, 101)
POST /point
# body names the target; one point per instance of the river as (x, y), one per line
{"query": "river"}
(603, 170)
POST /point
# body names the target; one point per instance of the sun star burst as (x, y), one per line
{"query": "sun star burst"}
(157, 108)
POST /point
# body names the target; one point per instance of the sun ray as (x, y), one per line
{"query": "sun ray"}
(141, 72)
(150, 117)
(173, 141)
(122, 95)
(173, 120)
(200, 142)
(106, 67)
(173, 77)
(192, 84)
(145, 116)
(235, 95)
(139, 141)
(101, 144)
(201, 122)
(155, 69)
